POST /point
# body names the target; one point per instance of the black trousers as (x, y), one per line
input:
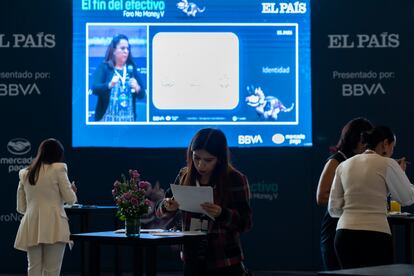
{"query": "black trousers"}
(359, 248)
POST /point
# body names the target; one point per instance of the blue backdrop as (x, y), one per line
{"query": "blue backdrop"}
(362, 56)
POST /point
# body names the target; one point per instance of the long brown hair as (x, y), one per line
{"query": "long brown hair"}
(49, 151)
(214, 142)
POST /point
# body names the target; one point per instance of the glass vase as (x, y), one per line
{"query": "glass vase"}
(132, 227)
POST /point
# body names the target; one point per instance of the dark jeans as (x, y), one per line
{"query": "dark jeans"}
(329, 258)
(359, 248)
(327, 243)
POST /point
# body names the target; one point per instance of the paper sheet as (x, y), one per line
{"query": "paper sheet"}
(190, 197)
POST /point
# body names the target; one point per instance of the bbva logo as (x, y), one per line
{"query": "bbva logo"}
(19, 146)
(16, 89)
(359, 89)
(250, 139)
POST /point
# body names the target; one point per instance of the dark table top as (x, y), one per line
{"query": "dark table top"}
(401, 218)
(407, 220)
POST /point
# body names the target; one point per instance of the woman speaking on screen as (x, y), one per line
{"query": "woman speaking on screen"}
(117, 84)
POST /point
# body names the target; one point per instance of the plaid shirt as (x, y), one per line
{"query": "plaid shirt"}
(223, 246)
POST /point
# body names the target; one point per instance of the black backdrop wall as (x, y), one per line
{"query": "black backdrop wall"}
(375, 37)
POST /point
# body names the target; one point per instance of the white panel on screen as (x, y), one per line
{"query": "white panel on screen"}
(195, 70)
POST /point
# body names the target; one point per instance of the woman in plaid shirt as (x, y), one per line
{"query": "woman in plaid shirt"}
(208, 164)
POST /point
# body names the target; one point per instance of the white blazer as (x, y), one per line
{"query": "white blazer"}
(44, 217)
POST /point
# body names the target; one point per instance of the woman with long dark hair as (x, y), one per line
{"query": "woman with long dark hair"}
(43, 189)
(348, 145)
(208, 164)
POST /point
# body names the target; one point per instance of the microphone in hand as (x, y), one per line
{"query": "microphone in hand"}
(130, 70)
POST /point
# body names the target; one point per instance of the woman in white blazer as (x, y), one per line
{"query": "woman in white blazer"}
(43, 189)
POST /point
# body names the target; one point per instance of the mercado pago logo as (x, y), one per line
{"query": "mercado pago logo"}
(264, 191)
(18, 155)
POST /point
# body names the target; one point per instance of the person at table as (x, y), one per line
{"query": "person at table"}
(43, 189)
(348, 145)
(359, 198)
(208, 164)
